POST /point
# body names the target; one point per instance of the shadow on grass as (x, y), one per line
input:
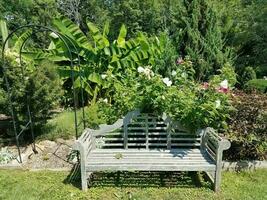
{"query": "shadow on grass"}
(139, 179)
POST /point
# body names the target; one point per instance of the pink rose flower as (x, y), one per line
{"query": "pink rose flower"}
(205, 85)
(179, 61)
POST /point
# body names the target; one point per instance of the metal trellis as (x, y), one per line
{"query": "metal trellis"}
(29, 124)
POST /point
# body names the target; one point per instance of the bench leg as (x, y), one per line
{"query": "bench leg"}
(84, 181)
(217, 180)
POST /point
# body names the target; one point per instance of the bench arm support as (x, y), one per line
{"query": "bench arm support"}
(214, 145)
(84, 144)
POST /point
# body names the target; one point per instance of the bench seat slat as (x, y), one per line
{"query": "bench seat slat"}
(185, 139)
(149, 160)
(193, 156)
(150, 133)
(185, 144)
(149, 128)
(142, 153)
(135, 151)
(154, 167)
(143, 160)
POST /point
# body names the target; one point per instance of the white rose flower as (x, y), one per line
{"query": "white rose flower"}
(53, 35)
(140, 69)
(17, 60)
(174, 73)
(103, 76)
(147, 71)
(224, 84)
(217, 103)
(167, 81)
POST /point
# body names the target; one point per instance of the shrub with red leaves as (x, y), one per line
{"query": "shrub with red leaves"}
(248, 127)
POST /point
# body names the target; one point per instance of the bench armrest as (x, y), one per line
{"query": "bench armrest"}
(85, 143)
(213, 144)
(105, 129)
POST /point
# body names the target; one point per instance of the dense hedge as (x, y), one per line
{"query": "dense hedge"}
(248, 127)
(256, 84)
(42, 85)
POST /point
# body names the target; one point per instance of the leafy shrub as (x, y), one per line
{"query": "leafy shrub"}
(40, 83)
(259, 85)
(261, 71)
(5, 156)
(227, 72)
(247, 75)
(248, 127)
(165, 62)
(179, 96)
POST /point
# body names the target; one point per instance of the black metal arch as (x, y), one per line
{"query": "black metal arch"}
(65, 40)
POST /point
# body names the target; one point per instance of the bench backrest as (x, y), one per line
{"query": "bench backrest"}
(147, 131)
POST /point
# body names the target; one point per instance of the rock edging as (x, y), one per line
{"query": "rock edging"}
(244, 165)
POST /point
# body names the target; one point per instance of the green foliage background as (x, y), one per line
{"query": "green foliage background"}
(114, 37)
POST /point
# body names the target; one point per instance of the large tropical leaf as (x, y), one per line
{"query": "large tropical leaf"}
(4, 31)
(106, 30)
(21, 39)
(70, 30)
(122, 36)
(100, 39)
(95, 78)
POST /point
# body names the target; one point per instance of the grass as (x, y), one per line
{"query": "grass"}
(60, 126)
(28, 185)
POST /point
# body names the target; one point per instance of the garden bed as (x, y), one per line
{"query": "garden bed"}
(51, 155)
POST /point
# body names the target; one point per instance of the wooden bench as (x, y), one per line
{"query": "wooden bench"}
(143, 142)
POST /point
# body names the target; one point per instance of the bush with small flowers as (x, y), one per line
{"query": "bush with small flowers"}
(195, 105)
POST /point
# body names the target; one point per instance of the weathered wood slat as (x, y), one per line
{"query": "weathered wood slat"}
(137, 144)
(140, 123)
(185, 144)
(157, 144)
(112, 144)
(154, 167)
(177, 134)
(149, 128)
(211, 146)
(150, 133)
(211, 154)
(115, 134)
(134, 151)
(148, 156)
(112, 139)
(185, 139)
(136, 139)
(148, 162)
(197, 157)
(158, 139)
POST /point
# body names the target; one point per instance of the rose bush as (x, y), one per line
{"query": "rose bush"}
(195, 105)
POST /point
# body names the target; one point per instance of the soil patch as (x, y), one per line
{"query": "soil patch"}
(51, 155)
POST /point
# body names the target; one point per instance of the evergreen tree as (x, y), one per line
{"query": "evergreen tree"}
(200, 37)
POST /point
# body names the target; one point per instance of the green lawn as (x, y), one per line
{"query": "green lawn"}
(27, 185)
